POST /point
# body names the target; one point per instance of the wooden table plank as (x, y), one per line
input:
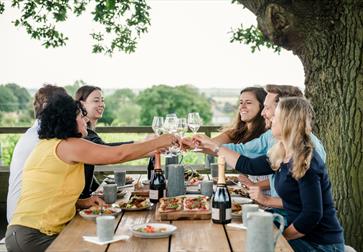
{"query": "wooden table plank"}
(237, 238)
(199, 235)
(70, 239)
(134, 243)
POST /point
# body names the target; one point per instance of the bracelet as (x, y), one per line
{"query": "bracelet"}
(216, 150)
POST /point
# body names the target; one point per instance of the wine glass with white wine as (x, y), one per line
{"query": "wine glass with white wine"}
(194, 122)
(170, 126)
(157, 125)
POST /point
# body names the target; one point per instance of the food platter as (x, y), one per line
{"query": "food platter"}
(192, 177)
(153, 230)
(93, 212)
(187, 207)
(136, 203)
(238, 192)
(230, 180)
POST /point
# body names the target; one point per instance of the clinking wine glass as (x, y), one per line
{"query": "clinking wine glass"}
(157, 125)
(170, 126)
(182, 128)
(194, 122)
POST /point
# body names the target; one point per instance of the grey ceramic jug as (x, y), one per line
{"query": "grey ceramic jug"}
(169, 161)
(260, 231)
(175, 180)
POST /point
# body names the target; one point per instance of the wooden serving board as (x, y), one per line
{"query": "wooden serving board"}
(183, 215)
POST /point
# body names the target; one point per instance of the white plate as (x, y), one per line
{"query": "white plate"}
(241, 200)
(82, 213)
(170, 229)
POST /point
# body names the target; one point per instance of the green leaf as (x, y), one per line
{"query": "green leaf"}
(2, 7)
(122, 22)
(252, 36)
(110, 4)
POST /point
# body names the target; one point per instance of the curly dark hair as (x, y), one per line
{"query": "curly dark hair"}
(58, 119)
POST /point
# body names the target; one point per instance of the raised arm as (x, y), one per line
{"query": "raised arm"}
(83, 151)
(254, 148)
(253, 166)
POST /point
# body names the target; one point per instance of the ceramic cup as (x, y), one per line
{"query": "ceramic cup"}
(105, 227)
(120, 178)
(214, 170)
(110, 193)
(247, 208)
(206, 188)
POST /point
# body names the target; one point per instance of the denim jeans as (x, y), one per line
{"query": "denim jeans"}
(300, 245)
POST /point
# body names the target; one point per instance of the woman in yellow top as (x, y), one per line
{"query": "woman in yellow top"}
(53, 175)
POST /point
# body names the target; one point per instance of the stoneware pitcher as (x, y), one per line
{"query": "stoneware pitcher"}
(175, 180)
(260, 232)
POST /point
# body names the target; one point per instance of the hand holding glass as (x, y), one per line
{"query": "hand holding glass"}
(170, 126)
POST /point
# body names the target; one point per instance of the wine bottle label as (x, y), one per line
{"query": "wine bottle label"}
(154, 194)
(217, 216)
(215, 213)
(228, 214)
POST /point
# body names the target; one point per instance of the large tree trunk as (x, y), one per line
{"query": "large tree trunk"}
(328, 38)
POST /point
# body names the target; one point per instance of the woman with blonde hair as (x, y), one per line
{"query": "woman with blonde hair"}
(301, 178)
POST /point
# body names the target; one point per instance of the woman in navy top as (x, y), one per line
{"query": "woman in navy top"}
(301, 178)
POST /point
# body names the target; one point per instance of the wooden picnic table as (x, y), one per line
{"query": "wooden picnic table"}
(191, 235)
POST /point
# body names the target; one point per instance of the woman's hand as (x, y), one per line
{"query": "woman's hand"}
(89, 202)
(291, 233)
(187, 143)
(257, 194)
(169, 140)
(245, 181)
(205, 142)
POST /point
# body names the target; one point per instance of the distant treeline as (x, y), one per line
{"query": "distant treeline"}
(123, 106)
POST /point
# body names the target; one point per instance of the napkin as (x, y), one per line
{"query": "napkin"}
(2, 241)
(235, 225)
(94, 239)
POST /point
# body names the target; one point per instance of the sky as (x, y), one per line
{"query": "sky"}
(187, 43)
